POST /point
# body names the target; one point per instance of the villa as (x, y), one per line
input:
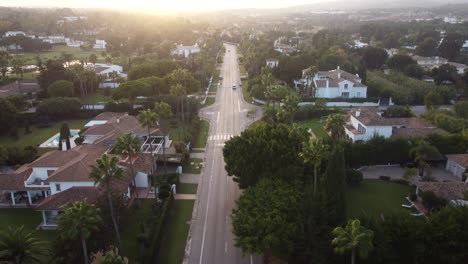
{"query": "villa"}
(110, 71)
(63, 176)
(338, 84)
(368, 122)
(185, 51)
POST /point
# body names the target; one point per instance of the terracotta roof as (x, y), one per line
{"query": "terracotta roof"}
(55, 158)
(408, 133)
(335, 77)
(74, 194)
(370, 116)
(79, 168)
(108, 116)
(14, 181)
(461, 159)
(101, 129)
(446, 190)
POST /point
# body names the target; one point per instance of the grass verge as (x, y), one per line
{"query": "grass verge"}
(193, 166)
(202, 136)
(315, 125)
(175, 236)
(209, 101)
(187, 188)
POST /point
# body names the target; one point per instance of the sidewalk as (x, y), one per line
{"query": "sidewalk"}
(189, 178)
(185, 197)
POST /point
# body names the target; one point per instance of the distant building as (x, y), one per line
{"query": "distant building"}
(54, 39)
(272, 63)
(107, 70)
(100, 44)
(185, 51)
(357, 44)
(367, 122)
(338, 83)
(14, 33)
(428, 63)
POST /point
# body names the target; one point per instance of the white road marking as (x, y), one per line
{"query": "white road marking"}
(225, 247)
(251, 259)
(207, 207)
(238, 105)
(217, 118)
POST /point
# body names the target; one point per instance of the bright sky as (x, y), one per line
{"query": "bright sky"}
(172, 5)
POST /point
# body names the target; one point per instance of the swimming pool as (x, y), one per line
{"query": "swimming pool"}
(53, 142)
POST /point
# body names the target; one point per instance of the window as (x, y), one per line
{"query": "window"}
(345, 94)
(358, 94)
(57, 187)
(361, 129)
(346, 86)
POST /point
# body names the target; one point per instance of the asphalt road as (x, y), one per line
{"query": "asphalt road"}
(211, 240)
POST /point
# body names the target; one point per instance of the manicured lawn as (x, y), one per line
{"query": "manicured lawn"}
(175, 236)
(39, 135)
(245, 92)
(56, 52)
(193, 166)
(187, 188)
(375, 197)
(315, 125)
(202, 136)
(27, 217)
(209, 101)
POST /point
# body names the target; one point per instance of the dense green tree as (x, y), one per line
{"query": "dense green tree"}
(399, 62)
(131, 90)
(334, 125)
(355, 238)
(105, 171)
(445, 72)
(159, 69)
(17, 246)
(427, 48)
(111, 259)
(433, 100)
(334, 187)
(266, 218)
(374, 58)
(264, 151)
(397, 111)
(59, 108)
(7, 114)
(92, 58)
(4, 62)
(52, 71)
(60, 88)
(451, 45)
(333, 58)
(4, 155)
(414, 71)
(461, 108)
(78, 221)
(449, 123)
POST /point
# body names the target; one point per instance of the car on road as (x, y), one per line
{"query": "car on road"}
(234, 86)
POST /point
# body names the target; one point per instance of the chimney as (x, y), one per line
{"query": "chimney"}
(358, 112)
(338, 68)
(118, 120)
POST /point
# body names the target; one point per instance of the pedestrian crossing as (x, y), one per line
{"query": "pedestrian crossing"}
(220, 137)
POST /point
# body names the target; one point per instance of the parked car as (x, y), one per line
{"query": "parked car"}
(234, 86)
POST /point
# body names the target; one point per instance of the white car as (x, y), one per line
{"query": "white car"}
(234, 86)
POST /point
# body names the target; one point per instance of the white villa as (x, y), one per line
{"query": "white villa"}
(338, 84)
(107, 70)
(14, 33)
(367, 122)
(60, 177)
(185, 51)
(272, 63)
(429, 63)
(100, 44)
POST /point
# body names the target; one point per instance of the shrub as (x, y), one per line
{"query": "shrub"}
(401, 181)
(413, 197)
(60, 88)
(432, 202)
(353, 177)
(384, 178)
(59, 108)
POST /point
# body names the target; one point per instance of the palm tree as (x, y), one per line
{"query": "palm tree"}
(129, 145)
(148, 118)
(79, 220)
(353, 237)
(335, 126)
(18, 247)
(178, 90)
(308, 75)
(104, 172)
(421, 152)
(163, 110)
(93, 59)
(313, 154)
(64, 135)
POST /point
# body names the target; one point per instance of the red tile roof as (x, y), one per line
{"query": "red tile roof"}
(461, 159)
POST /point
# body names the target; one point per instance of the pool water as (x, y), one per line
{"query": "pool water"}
(57, 138)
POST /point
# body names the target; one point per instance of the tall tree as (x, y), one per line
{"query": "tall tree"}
(93, 59)
(78, 221)
(148, 119)
(335, 126)
(422, 152)
(374, 58)
(20, 247)
(451, 45)
(104, 172)
(427, 48)
(164, 111)
(64, 136)
(334, 187)
(355, 238)
(178, 92)
(265, 220)
(314, 153)
(128, 145)
(4, 62)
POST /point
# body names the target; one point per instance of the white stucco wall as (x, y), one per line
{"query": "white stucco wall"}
(141, 180)
(455, 168)
(39, 173)
(67, 185)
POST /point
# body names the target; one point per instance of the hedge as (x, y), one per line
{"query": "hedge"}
(158, 228)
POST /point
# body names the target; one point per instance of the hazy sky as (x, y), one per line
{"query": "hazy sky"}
(147, 5)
